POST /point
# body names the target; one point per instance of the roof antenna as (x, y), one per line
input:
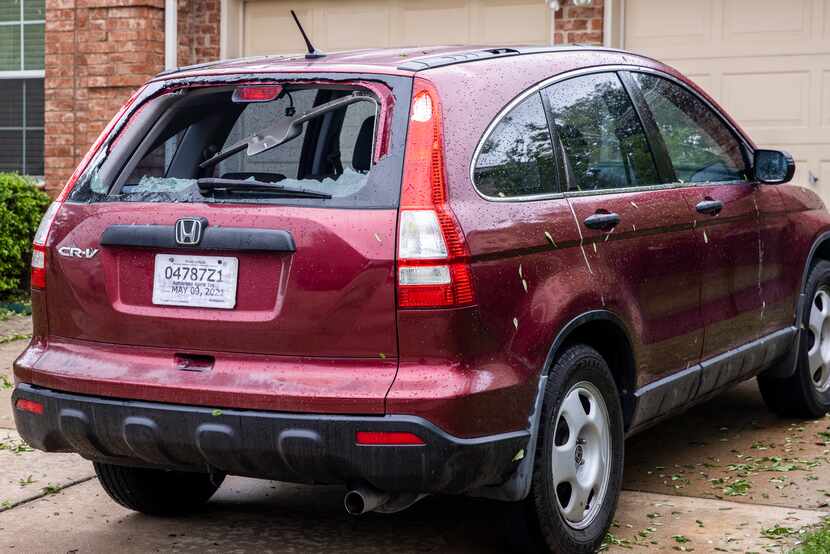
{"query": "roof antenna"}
(312, 52)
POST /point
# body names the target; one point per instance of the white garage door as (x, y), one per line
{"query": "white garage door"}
(351, 24)
(766, 61)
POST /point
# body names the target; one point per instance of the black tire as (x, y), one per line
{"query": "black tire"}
(155, 491)
(797, 396)
(547, 527)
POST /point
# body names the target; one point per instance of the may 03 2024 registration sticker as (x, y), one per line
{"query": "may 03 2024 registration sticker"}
(196, 281)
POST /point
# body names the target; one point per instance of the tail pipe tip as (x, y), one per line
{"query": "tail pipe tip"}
(363, 500)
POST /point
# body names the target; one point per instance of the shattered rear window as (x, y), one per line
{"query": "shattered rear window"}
(311, 144)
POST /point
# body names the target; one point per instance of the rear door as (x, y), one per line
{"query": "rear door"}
(636, 229)
(292, 275)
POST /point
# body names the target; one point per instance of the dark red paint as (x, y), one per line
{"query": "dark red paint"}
(318, 330)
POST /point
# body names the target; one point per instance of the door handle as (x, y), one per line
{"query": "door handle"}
(709, 206)
(602, 221)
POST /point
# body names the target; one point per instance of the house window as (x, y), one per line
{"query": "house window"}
(21, 86)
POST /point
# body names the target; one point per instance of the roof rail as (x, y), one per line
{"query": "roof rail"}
(459, 57)
(442, 60)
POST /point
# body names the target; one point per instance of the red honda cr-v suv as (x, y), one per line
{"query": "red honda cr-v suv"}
(467, 271)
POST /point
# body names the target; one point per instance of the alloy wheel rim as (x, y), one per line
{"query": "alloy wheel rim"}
(818, 351)
(581, 454)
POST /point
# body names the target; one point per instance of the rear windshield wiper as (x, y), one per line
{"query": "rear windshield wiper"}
(212, 184)
(283, 131)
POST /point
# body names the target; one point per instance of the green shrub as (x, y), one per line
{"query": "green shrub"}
(817, 541)
(21, 207)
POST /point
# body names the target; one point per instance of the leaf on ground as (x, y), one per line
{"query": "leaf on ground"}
(739, 487)
(12, 338)
(15, 446)
(613, 540)
(51, 489)
(776, 532)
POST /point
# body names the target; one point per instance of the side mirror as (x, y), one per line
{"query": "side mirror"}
(773, 167)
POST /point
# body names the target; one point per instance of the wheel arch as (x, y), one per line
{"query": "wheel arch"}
(606, 333)
(820, 250)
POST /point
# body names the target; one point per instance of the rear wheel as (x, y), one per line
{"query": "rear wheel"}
(579, 459)
(806, 393)
(156, 491)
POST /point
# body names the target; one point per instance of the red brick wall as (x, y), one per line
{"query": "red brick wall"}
(198, 25)
(97, 53)
(578, 25)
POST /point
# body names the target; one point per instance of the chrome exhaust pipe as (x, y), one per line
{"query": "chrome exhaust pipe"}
(363, 500)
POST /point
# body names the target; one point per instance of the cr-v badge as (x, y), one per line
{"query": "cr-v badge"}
(75, 252)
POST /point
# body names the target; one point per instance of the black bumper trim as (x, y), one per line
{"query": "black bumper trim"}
(302, 448)
(215, 238)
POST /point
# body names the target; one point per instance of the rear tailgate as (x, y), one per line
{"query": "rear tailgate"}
(332, 297)
(310, 327)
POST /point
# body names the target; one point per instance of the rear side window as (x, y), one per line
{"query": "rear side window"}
(313, 145)
(516, 159)
(701, 146)
(604, 142)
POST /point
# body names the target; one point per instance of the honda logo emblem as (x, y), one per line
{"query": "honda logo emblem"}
(189, 230)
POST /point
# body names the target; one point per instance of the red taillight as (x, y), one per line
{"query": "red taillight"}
(29, 406)
(38, 267)
(387, 438)
(257, 93)
(458, 292)
(433, 259)
(95, 147)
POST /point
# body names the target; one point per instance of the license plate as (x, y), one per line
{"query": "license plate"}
(196, 281)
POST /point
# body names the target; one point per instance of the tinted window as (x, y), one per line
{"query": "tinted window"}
(605, 146)
(702, 148)
(517, 157)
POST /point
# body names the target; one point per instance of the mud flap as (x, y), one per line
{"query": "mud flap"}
(517, 486)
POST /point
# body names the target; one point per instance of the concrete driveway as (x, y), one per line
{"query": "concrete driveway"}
(726, 476)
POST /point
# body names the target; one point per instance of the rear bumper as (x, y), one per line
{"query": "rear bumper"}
(303, 448)
(450, 394)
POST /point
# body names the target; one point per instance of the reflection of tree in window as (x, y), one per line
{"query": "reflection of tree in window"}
(604, 143)
(701, 147)
(517, 157)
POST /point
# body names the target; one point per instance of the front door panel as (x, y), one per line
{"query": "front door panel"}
(729, 241)
(709, 159)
